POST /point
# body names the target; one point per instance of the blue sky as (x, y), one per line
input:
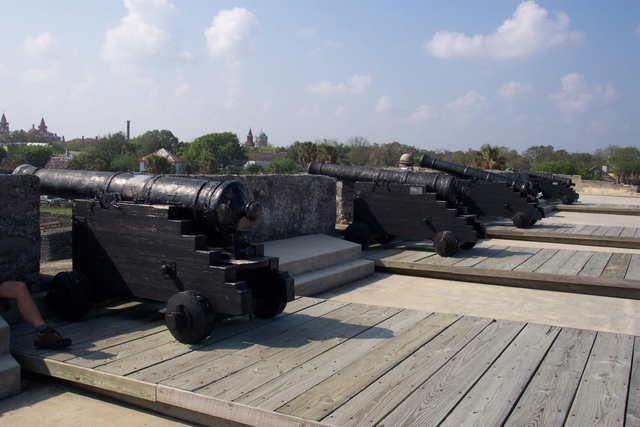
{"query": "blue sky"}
(437, 74)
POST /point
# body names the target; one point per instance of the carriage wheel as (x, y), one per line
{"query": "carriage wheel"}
(70, 295)
(190, 317)
(445, 243)
(267, 308)
(567, 200)
(521, 219)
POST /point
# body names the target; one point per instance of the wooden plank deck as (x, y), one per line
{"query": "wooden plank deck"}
(598, 273)
(334, 363)
(603, 208)
(576, 234)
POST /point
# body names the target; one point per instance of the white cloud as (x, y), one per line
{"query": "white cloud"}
(513, 89)
(384, 104)
(465, 106)
(528, 32)
(145, 32)
(638, 31)
(357, 85)
(81, 89)
(181, 90)
(576, 97)
(266, 106)
(331, 43)
(421, 113)
(230, 32)
(39, 44)
(340, 111)
(39, 75)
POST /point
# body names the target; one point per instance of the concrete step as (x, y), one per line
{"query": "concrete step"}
(319, 262)
(315, 282)
(302, 254)
(9, 368)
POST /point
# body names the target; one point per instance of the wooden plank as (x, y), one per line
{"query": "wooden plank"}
(235, 412)
(477, 255)
(319, 344)
(601, 396)
(209, 371)
(628, 232)
(575, 229)
(596, 264)
(555, 262)
(318, 401)
(547, 398)
(601, 230)
(439, 393)
(65, 371)
(536, 260)
(509, 259)
(633, 271)
(410, 256)
(589, 229)
(633, 400)
(617, 266)
(284, 387)
(575, 264)
(232, 336)
(491, 399)
(614, 231)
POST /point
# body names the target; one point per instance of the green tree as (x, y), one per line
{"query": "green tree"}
(255, 169)
(283, 166)
(327, 153)
(157, 165)
(306, 153)
(489, 157)
(359, 150)
(560, 167)
(3, 155)
(625, 163)
(538, 154)
(215, 153)
(125, 163)
(36, 155)
(153, 140)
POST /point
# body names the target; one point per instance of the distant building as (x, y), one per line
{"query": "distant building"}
(43, 132)
(4, 126)
(262, 140)
(265, 158)
(177, 164)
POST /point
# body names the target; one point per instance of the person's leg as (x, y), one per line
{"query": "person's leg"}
(26, 307)
(46, 337)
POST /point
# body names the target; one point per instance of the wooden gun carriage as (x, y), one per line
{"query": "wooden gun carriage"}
(551, 186)
(391, 203)
(492, 194)
(169, 239)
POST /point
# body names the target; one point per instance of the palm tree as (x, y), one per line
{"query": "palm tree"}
(307, 153)
(489, 157)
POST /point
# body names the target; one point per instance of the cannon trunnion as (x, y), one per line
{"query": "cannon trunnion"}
(193, 255)
(396, 203)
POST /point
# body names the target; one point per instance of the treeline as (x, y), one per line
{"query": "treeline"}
(223, 153)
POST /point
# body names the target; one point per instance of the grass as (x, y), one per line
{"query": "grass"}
(56, 209)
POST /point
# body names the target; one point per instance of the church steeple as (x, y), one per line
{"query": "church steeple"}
(249, 142)
(43, 126)
(4, 125)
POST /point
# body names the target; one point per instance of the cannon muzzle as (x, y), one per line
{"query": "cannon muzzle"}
(221, 207)
(445, 187)
(551, 177)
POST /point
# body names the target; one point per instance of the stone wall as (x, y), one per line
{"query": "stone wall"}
(292, 205)
(605, 188)
(19, 226)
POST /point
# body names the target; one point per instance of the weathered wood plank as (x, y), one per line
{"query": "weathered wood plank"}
(596, 264)
(319, 344)
(601, 230)
(441, 392)
(633, 400)
(536, 260)
(555, 262)
(575, 264)
(490, 400)
(617, 266)
(633, 271)
(547, 398)
(589, 229)
(285, 386)
(614, 231)
(628, 232)
(477, 255)
(602, 393)
(318, 401)
(171, 348)
(209, 371)
(78, 374)
(509, 259)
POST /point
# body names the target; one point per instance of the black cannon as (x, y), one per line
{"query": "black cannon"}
(493, 194)
(164, 238)
(551, 186)
(391, 203)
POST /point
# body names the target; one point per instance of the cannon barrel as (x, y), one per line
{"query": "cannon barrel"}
(445, 187)
(551, 177)
(467, 172)
(220, 206)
